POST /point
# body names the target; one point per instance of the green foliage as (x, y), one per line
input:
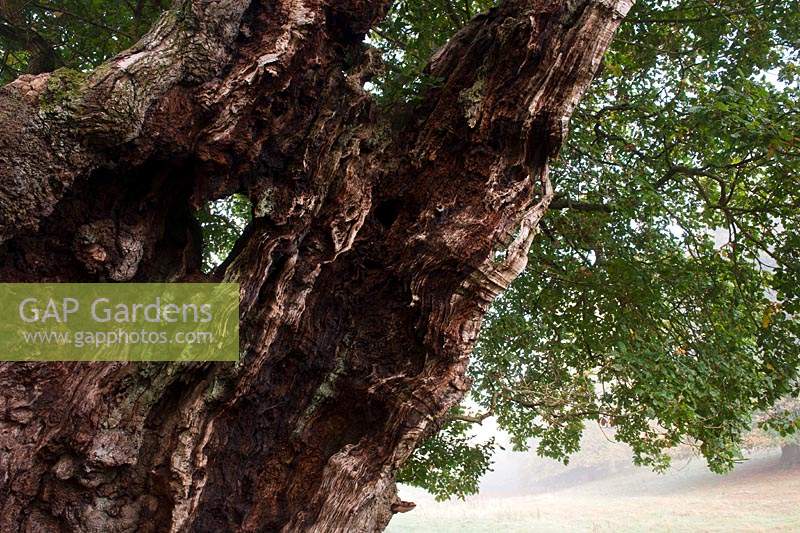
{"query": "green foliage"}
(79, 34)
(449, 463)
(779, 425)
(662, 296)
(222, 223)
(411, 32)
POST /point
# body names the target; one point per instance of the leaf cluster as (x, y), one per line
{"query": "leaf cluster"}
(43, 35)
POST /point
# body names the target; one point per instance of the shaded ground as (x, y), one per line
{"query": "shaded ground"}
(757, 496)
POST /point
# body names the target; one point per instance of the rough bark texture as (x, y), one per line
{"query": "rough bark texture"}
(378, 242)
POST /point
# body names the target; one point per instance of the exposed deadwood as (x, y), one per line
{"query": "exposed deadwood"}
(378, 243)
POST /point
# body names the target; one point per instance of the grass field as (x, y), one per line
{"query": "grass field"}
(757, 496)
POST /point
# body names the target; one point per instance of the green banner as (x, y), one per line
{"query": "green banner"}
(119, 322)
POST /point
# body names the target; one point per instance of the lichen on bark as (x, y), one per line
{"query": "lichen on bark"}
(62, 89)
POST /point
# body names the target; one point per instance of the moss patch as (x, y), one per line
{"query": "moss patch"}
(63, 88)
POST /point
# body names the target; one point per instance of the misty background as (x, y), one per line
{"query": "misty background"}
(602, 490)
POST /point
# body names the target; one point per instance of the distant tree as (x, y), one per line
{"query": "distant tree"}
(790, 454)
(778, 427)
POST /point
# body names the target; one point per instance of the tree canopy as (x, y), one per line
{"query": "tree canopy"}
(80, 34)
(661, 296)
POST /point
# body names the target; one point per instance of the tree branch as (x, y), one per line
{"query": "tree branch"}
(562, 202)
(43, 57)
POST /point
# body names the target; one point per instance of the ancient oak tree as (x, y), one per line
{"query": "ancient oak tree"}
(377, 242)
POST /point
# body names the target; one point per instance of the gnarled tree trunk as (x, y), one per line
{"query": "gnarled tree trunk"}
(378, 241)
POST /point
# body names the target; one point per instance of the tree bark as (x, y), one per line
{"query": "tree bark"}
(378, 241)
